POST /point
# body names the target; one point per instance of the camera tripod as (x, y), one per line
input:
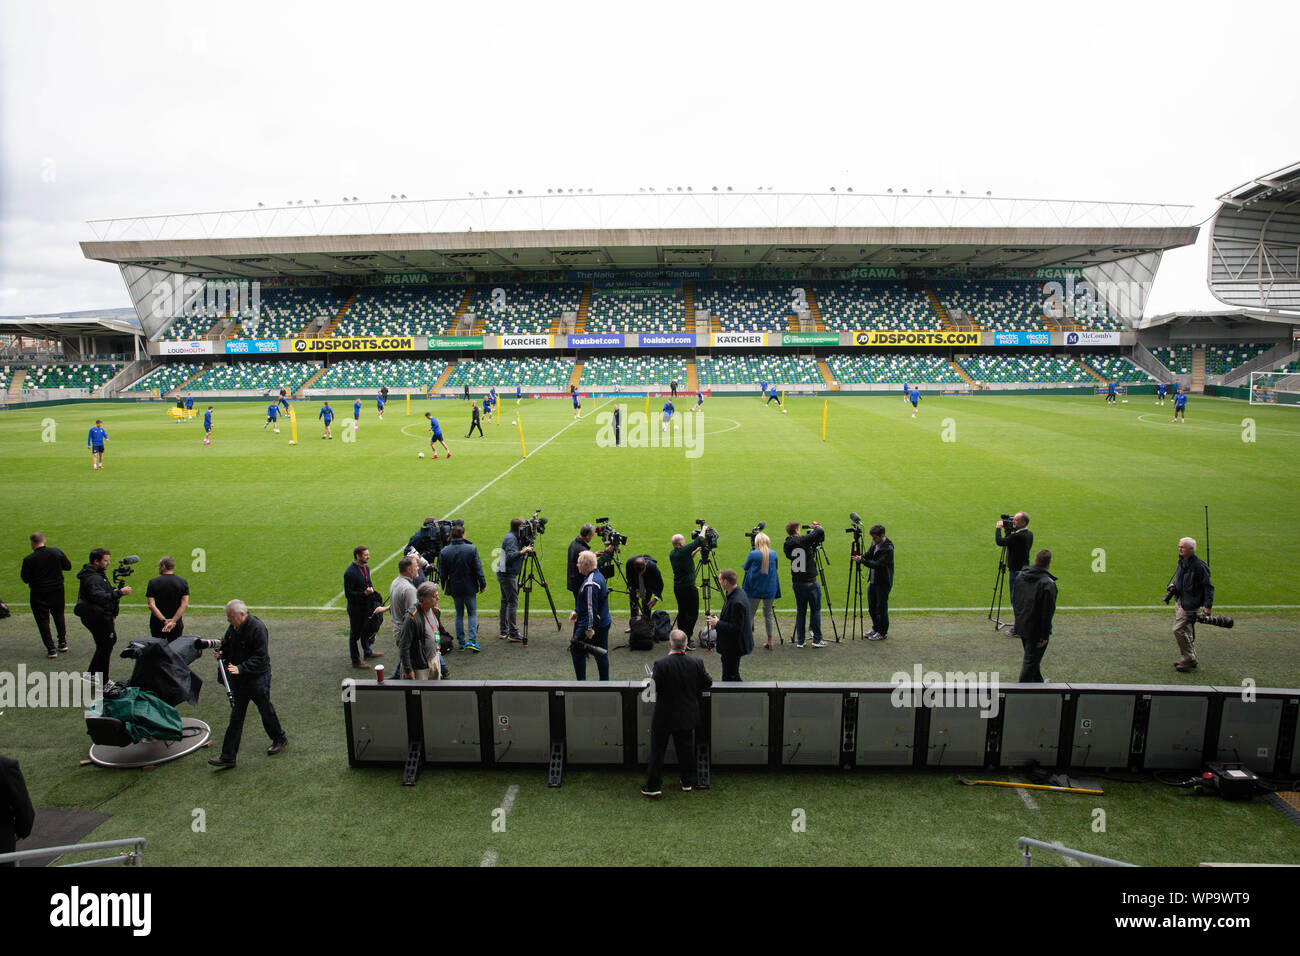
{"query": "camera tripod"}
(820, 560)
(998, 583)
(707, 569)
(530, 572)
(854, 625)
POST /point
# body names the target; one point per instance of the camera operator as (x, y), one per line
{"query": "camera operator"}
(42, 572)
(168, 596)
(1017, 542)
(880, 559)
(734, 626)
(461, 573)
(1192, 586)
(645, 585)
(97, 606)
(799, 551)
(365, 607)
(578, 545)
(245, 655)
(1034, 604)
(682, 559)
(591, 620)
(512, 562)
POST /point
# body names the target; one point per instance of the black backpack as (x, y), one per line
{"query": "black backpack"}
(663, 625)
(642, 635)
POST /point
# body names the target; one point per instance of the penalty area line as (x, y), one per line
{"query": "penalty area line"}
(375, 567)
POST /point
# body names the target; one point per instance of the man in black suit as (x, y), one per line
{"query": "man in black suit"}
(734, 626)
(365, 607)
(576, 547)
(43, 573)
(1018, 540)
(16, 813)
(677, 682)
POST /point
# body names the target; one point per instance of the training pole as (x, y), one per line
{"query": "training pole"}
(523, 452)
(825, 405)
(293, 426)
(408, 403)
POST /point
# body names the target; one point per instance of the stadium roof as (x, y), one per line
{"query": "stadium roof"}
(1255, 244)
(95, 323)
(637, 231)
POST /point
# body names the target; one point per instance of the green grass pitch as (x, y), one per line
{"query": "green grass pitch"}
(1110, 490)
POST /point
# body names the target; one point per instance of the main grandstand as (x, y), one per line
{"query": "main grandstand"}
(718, 290)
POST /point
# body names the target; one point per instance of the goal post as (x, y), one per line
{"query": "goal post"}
(1275, 388)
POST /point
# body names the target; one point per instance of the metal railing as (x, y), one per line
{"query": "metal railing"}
(1024, 844)
(133, 857)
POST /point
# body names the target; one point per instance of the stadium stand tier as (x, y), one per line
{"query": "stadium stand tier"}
(551, 373)
(650, 310)
(254, 376)
(1042, 369)
(368, 375)
(285, 313)
(1115, 367)
(164, 378)
(1010, 306)
(882, 306)
(1176, 358)
(748, 306)
(877, 369)
(525, 309)
(187, 327)
(406, 310)
(750, 370)
(1222, 359)
(69, 376)
(656, 370)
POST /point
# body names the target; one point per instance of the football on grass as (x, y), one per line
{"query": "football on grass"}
(421, 454)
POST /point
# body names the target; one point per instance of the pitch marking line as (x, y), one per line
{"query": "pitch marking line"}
(375, 567)
(508, 801)
(1030, 802)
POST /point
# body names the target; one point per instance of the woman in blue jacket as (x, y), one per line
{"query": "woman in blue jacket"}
(761, 581)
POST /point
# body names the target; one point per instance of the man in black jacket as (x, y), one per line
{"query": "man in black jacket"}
(645, 585)
(576, 547)
(799, 551)
(512, 562)
(1192, 586)
(43, 574)
(1018, 541)
(734, 626)
(246, 657)
(677, 683)
(97, 605)
(461, 573)
(682, 560)
(365, 607)
(880, 559)
(16, 813)
(1034, 602)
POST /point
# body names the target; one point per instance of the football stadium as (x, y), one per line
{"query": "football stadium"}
(781, 328)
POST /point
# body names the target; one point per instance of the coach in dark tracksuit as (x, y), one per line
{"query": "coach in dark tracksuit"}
(1034, 602)
(679, 682)
(578, 545)
(880, 559)
(43, 573)
(734, 626)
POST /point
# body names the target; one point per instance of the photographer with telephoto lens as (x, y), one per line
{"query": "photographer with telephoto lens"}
(97, 605)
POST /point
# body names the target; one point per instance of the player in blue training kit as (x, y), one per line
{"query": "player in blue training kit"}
(519, 394)
(273, 417)
(907, 392)
(380, 402)
(914, 396)
(435, 435)
(327, 414)
(762, 389)
(95, 442)
(1110, 393)
(356, 410)
(577, 406)
(207, 426)
(189, 406)
(1173, 388)
(1180, 407)
(699, 400)
(773, 396)
(283, 400)
(1160, 393)
(668, 414)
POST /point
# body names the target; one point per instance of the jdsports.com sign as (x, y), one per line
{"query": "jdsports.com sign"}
(916, 338)
(395, 343)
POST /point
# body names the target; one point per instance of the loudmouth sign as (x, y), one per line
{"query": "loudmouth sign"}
(184, 348)
(524, 341)
(395, 343)
(658, 340)
(739, 338)
(246, 346)
(916, 338)
(613, 340)
(1092, 338)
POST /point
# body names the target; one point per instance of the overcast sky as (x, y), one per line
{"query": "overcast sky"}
(122, 109)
